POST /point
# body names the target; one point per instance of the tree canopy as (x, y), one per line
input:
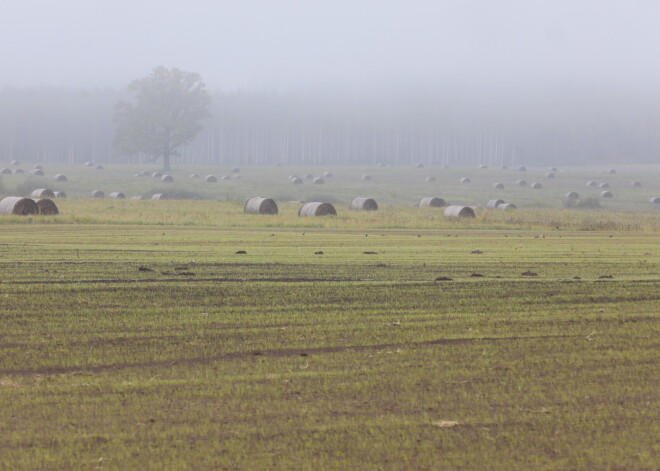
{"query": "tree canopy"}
(166, 113)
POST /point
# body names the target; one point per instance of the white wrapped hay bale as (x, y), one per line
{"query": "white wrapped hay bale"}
(432, 202)
(317, 209)
(259, 205)
(363, 204)
(46, 207)
(42, 193)
(459, 212)
(16, 205)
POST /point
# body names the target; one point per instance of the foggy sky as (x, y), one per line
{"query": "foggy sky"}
(287, 44)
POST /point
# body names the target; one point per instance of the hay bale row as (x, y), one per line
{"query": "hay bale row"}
(363, 204)
(258, 205)
(317, 209)
(432, 202)
(493, 204)
(16, 205)
(459, 212)
(500, 204)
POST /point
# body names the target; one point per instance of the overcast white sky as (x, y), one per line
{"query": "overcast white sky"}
(288, 44)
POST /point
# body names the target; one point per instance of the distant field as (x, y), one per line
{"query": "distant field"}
(134, 336)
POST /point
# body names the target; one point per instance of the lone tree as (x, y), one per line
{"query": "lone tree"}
(166, 113)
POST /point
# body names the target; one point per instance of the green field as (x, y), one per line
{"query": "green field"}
(134, 336)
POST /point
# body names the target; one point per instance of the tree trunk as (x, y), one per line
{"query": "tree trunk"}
(166, 161)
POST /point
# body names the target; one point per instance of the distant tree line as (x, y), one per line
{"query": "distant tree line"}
(454, 128)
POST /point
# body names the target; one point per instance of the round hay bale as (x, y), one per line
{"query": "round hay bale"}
(572, 195)
(18, 206)
(291, 177)
(550, 175)
(145, 173)
(308, 176)
(445, 166)
(59, 194)
(6, 171)
(137, 198)
(156, 175)
(636, 184)
(521, 183)
(210, 179)
(504, 167)
(97, 194)
(117, 195)
(553, 169)
(14, 162)
(296, 180)
(258, 205)
(167, 179)
(432, 202)
(236, 177)
(19, 171)
(327, 175)
(606, 194)
(483, 166)
(318, 181)
(235, 170)
(225, 177)
(611, 171)
(419, 165)
(492, 204)
(317, 209)
(365, 178)
(363, 204)
(535, 186)
(655, 200)
(60, 177)
(459, 212)
(465, 180)
(429, 179)
(194, 175)
(498, 186)
(38, 167)
(99, 167)
(47, 207)
(89, 164)
(507, 206)
(591, 184)
(158, 196)
(37, 172)
(380, 164)
(522, 168)
(137, 175)
(604, 185)
(42, 193)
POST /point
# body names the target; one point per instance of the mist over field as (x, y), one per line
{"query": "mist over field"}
(344, 82)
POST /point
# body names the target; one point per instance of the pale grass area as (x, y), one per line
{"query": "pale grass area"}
(230, 214)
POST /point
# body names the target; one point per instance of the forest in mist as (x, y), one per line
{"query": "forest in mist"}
(456, 126)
